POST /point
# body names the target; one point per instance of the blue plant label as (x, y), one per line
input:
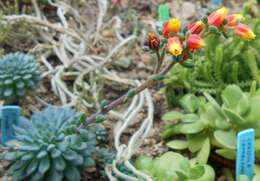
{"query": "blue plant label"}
(216, 2)
(163, 13)
(245, 161)
(10, 116)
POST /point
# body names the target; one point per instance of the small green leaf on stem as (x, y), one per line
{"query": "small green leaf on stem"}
(104, 103)
(100, 118)
(130, 93)
(158, 77)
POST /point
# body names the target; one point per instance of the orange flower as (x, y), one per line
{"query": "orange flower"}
(195, 42)
(233, 19)
(244, 32)
(196, 27)
(153, 41)
(174, 46)
(217, 17)
(171, 26)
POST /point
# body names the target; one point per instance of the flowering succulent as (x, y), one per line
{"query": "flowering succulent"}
(244, 32)
(217, 17)
(153, 41)
(232, 20)
(195, 42)
(196, 27)
(174, 46)
(171, 27)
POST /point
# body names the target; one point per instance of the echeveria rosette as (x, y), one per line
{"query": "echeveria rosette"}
(51, 148)
(173, 166)
(212, 126)
(19, 73)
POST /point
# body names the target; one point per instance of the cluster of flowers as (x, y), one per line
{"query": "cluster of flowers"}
(219, 20)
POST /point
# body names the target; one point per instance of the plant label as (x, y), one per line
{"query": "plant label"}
(245, 161)
(163, 13)
(10, 116)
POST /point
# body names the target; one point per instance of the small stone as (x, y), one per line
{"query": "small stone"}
(124, 63)
(107, 33)
(5, 178)
(188, 10)
(5, 164)
(2, 171)
(146, 59)
(157, 97)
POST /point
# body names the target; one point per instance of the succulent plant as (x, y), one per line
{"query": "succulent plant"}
(208, 124)
(226, 61)
(104, 156)
(19, 73)
(51, 148)
(173, 166)
(245, 178)
(100, 132)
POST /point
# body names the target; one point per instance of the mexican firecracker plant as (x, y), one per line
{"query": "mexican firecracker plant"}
(230, 56)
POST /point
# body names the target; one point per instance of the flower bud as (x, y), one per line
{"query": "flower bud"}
(174, 46)
(232, 20)
(172, 26)
(195, 42)
(244, 32)
(153, 41)
(217, 17)
(196, 27)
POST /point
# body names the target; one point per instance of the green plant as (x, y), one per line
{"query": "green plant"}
(100, 132)
(207, 124)
(104, 156)
(227, 60)
(52, 147)
(19, 73)
(173, 166)
(245, 178)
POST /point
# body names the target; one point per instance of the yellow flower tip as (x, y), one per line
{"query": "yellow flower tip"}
(250, 35)
(223, 12)
(175, 24)
(239, 17)
(244, 32)
(175, 50)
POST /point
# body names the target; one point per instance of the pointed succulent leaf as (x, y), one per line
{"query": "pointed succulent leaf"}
(72, 174)
(203, 154)
(44, 165)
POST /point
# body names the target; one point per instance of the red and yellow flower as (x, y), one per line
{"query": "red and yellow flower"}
(195, 42)
(217, 17)
(172, 26)
(196, 27)
(174, 46)
(153, 41)
(244, 32)
(232, 20)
